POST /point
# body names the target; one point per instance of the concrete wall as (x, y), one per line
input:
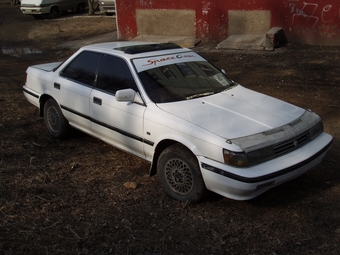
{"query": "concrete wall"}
(304, 21)
(165, 22)
(248, 22)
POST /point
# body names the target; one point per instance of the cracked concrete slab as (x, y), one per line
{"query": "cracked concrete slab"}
(246, 42)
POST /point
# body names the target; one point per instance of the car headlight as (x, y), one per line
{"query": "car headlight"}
(258, 156)
(238, 159)
(242, 159)
(316, 130)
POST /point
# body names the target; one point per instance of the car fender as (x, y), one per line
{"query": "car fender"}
(198, 148)
(162, 144)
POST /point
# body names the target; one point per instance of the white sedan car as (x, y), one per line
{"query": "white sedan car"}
(168, 105)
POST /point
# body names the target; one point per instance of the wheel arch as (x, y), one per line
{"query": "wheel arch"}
(54, 6)
(161, 146)
(42, 102)
(54, 11)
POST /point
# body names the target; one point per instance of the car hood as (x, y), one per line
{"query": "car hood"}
(237, 112)
(31, 2)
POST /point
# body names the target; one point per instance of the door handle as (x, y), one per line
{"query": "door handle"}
(97, 101)
(56, 85)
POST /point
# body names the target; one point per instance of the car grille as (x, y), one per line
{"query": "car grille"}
(291, 144)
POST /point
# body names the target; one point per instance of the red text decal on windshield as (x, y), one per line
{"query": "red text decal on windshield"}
(155, 61)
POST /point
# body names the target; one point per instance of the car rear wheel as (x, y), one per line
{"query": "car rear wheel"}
(55, 121)
(180, 175)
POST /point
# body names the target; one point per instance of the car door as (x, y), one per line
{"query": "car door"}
(119, 123)
(75, 83)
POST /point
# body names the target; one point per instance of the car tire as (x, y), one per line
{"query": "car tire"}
(81, 8)
(54, 119)
(54, 13)
(180, 175)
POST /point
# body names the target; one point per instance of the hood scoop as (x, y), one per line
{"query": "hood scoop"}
(295, 122)
(273, 131)
(279, 129)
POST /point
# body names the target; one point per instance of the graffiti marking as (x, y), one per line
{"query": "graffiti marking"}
(326, 9)
(312, 7)
(146, 3)
(309, 16)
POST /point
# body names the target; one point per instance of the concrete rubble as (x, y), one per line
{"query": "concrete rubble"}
(274, 38)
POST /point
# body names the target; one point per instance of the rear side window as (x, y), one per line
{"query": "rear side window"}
(83, 68)
(114, 74)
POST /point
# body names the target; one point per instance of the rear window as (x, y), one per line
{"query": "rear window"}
(83, 68)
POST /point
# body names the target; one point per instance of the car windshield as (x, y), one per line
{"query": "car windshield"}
(183, 81)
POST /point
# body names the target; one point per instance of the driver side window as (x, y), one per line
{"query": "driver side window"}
(114, 74)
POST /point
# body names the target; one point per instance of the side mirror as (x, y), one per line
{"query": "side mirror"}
(128, 95)
(223, 71)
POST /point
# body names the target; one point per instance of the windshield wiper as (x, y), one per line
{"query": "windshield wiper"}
(200, 95)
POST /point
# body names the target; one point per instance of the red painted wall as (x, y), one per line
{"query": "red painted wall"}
(304, 21)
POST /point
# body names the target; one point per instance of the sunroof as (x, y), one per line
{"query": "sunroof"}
(148, 48)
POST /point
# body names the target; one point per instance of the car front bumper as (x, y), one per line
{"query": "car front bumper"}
(108, 9)
(247, 183)
(35, 10)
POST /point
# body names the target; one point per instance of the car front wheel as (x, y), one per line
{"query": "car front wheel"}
(180, 175)
(54, 13)
(55, 121)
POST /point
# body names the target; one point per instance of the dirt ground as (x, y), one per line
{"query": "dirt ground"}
(68, 196)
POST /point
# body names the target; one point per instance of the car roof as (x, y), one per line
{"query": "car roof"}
(134, 49)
